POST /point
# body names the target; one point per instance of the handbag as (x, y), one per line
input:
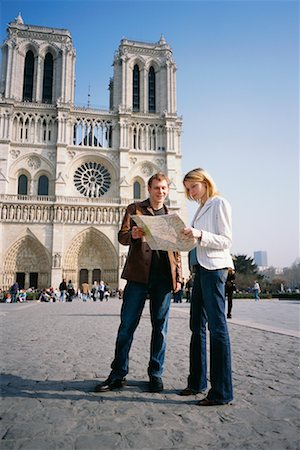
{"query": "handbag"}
(193, 261)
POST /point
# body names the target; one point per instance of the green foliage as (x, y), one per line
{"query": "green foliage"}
(245, 265)
(246, 272)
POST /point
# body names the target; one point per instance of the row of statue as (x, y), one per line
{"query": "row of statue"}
(61, 214)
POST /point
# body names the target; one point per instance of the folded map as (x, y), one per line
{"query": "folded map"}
(165, 232)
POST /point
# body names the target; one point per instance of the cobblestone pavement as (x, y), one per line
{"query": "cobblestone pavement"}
(53, 354)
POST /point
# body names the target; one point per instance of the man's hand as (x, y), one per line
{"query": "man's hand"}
(137, 232)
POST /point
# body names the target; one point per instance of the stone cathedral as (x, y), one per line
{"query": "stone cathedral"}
(67, 173)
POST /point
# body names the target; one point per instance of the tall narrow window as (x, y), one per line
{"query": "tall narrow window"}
(28, 77)
(43, 185)
(48, 78)
(136, 190)
(151, 90)
(136, 89)
(22, 185)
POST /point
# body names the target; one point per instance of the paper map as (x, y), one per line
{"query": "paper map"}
(165, 232)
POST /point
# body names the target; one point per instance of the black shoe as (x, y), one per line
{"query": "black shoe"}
(229, 316)
(188, 391)
(155, 384)
(110, 385)
(207, 402)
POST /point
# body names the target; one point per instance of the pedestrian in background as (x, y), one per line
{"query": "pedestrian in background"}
(13, 292)
(212, 227)
(229, 289)
(63, 289)
(85, 291)
(256, 290)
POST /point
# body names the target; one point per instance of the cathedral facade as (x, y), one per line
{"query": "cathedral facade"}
(67, 173)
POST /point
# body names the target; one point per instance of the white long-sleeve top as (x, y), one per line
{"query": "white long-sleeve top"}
(215, 221)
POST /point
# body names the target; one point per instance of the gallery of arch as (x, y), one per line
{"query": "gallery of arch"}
(67, 173)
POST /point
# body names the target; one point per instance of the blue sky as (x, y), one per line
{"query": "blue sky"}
(237, 90)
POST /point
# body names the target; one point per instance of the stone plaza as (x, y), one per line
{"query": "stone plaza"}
(53, 355)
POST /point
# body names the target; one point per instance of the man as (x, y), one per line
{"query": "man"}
(14, 291)
(148, 273)
(63, 289)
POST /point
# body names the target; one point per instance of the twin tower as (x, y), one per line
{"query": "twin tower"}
(67, 173)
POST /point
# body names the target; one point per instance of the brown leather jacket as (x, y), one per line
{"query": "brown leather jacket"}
(138, 262)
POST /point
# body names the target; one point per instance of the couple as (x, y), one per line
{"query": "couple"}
(157, 273)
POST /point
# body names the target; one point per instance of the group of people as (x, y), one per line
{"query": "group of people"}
(184, 291)
(99, 291)
(156, 274)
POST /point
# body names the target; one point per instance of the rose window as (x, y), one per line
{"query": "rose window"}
(92, 179)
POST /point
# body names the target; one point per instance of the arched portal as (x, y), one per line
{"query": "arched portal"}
(91, 253)
(28, 262)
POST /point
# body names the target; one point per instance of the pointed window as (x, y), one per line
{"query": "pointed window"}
(136, 89)
(28, 77)
(48, 78)
(136, 190)
(22, 185)
(151, 90)
(43, 185)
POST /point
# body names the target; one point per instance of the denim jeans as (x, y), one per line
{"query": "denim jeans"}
(134, 298)
(208, 307)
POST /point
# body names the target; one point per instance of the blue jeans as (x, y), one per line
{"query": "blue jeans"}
(208, 307)
(134, 298)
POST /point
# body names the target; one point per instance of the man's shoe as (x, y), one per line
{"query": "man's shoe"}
(110, 385)
(188, 391)
(155, 384)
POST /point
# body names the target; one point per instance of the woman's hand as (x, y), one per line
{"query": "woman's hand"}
(178, 287)
(192, 232)
(137, 232)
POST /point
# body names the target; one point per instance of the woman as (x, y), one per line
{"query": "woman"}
(211, 227)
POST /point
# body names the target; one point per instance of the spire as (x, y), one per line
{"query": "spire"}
(19, 19)
(162, 40)
(89, 96)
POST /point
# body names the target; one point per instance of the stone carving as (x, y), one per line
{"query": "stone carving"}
(15, 153)
(56, 260)
(147, 169)
(34, 162)
(51, 156)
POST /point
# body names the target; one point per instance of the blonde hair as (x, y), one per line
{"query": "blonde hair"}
(201, 176)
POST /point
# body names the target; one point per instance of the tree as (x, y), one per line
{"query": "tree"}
(246, 272)
(245, 265)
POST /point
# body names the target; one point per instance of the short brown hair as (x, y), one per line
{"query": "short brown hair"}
(160, 176)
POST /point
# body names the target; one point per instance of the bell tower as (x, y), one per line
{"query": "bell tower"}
(38, 64)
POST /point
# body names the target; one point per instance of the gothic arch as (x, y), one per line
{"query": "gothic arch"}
(137, 60)
(42, 164)
(27, 255)
(143, 187)
(46, 48)
(154, 63)
(28, 45)
(90, 250)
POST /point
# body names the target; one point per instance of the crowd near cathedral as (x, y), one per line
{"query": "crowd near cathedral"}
(67, 173)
